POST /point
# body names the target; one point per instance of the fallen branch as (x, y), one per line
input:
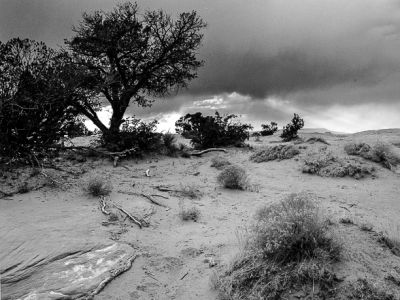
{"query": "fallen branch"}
(207, 150)
(135, 220)
(103, 206)
(161, 196)
(143, 195)
(148, 173)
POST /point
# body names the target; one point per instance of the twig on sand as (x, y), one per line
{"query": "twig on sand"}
(143, 195)
(185, 275)
(207, 150)
(103, 206)
(161, 196)
(134, 219)
(165, 189)
(344, 208)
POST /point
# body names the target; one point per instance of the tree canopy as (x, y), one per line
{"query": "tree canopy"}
(126, 56)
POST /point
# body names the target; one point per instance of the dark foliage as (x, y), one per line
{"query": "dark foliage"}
(35, 98)
(135, 134)
(269, 129)
(129, 56)
(212, 131)
(290, 130)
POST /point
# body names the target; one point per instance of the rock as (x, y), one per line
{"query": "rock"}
(72, 275)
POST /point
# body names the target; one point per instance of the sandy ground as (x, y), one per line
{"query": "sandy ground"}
(174, 255)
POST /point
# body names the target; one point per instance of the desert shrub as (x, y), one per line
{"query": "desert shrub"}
(366, 227)
(190, 191)
(187, 214)
(98, 186)
(23, 188)
(219, 162)
(327, 165)
(381, 153)
(212, 131)
(279, 152)
(287, 246)
(269, 129)
(169, 144)
(233, 177)
(364, 290)
(290, 130)
(313, 140)
(135, 134)
(35, 101)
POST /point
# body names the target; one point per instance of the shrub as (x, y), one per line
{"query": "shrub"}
(279, 152)
(287, 246)
(219, 162)
(212, 131)
(290, 130)
(233, 177)
(327, 165)
(135, 134)
(189, 214)
(380, 153)
(362, 289)
(98, 186)
(190, 191)
(169, 144)
(269, 129)
(313, 140)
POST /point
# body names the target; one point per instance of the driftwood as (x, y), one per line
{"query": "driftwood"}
(103, 206)
(147, 173)
(134, 219)
(207, 150)
(143, 195)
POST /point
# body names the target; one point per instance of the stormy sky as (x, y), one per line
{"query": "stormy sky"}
(335, 62)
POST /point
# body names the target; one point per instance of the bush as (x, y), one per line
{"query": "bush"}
(269, 129)
(189, 214)
(290, 130)
(35, 101)
(98, 186)
(381, 153)
(279, 152)
(327, 165)
(313, 140)
(190, 191)
(362, 289)
(212, 131)
(233, 177)
(135, 134)
(169, 144)
(219, 162)
(287, 246)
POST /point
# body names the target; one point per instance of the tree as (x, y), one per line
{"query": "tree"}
(36, 94)
(290, 130)
(127, 56)
(269, 129)
(212, 131)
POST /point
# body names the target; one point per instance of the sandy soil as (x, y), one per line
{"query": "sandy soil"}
(175, 256)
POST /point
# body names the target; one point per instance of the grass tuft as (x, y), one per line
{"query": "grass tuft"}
(287, 248)
(233, 177)
(278, 152)
(219, 162)
(189, 214)
(98, 186)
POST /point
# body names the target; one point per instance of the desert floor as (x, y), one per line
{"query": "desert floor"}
(176, 258)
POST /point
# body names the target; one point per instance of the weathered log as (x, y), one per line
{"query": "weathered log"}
(207, 150)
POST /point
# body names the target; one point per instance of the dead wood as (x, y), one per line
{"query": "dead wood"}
(134, 219)
(103, 206)
(143, 195)
(161, 196)
(207, 150)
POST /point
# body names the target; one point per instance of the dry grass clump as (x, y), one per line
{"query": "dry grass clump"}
(364, 290)
(219, 162)
(98, 186)
(233, 177)
(327, 165)
(382, 153)
(314, 139)
(190, 191)
(279, 152)
(288, 249)
(187, 214)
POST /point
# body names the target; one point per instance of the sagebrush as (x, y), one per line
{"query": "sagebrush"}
(287, 248)
(98, 186)
(220, 162)
(278, 152)
(233, 177)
